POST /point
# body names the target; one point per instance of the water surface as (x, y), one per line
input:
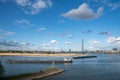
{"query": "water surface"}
(104, 67)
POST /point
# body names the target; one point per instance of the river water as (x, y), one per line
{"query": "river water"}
(104, 67)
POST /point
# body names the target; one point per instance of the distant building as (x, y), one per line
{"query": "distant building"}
(69, 50)
(115, 49)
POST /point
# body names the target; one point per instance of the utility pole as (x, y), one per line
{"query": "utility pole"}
(61, 50)
(82, 46)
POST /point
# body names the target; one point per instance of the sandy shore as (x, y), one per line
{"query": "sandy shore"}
(41, 54)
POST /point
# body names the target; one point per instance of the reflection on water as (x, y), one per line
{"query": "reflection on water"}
(104, 67)
(1, 69)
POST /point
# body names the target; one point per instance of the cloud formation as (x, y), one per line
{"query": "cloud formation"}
(88, 32)
(41, 29)
(23, 2)
(70, 36)
(14, 45)
(24, 23)
(68, 43)
(27, 44)
(110, 4)
(9, 43)
(54, 42)
(83, 12)
(61, 21)
(35, 6)
(113, 40)
(93, 42)
(114, 6)
(50, 43)
(4, 33)
(104, 33)
(32, 6)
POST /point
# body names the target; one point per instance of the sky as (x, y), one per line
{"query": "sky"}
(52, 25)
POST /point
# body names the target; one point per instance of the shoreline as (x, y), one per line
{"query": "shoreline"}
(43, 54)
(35, 75)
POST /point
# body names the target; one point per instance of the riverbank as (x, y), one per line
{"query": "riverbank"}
(43, 54)
(36, 75)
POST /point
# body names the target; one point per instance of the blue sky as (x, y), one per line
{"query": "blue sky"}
(55, 24)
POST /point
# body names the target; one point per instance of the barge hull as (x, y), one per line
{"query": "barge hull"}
(37, 61)
(79, 57)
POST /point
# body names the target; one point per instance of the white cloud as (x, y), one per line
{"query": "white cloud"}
(54, 42)
(83, 12)
(1, 36)
(110, 39)
(93, 48)
(70, 36)
(41, 29)
(4, 33)
(24, 23)
(68, 43)
(110, 4)
(114, 6)
(9, 33)
(4, 0)
(49, 44)
(93, 42)
(14, 45)
(45, 44)
(113, 40)
(35, 6)
(118, 43)
(23, 2)
(118, 39)
(99, 1)
(61, 21)
(9, 43)
(49, 3)
(26, 44)
(39, 4)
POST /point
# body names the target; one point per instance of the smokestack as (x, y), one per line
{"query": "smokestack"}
(82, 46)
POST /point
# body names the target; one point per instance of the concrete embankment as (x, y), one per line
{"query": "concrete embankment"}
(34, 76)
(44, 74)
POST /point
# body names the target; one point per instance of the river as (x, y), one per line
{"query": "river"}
(104, 67)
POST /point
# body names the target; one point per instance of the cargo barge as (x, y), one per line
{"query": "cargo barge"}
(79, 57)
(38, 61)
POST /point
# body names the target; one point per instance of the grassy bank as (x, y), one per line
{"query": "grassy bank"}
(36, 75)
